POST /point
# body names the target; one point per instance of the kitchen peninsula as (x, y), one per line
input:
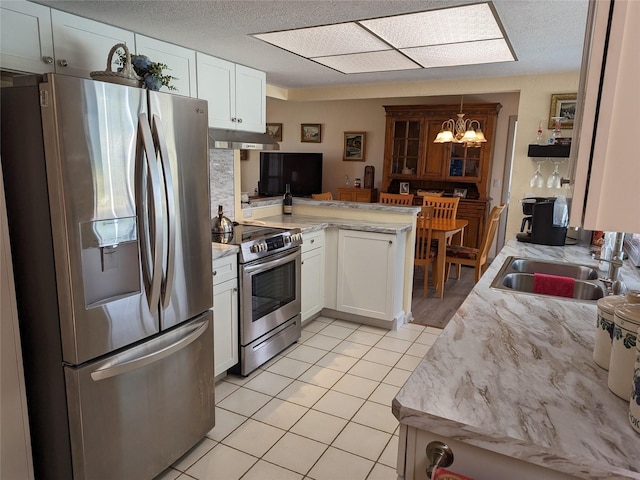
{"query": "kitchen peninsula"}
(355, 288)
(512, 377)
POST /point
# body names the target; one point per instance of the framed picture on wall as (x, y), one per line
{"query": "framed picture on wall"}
(563, 105)
(275, 130)
(404, 188)
(354, 146)
(310, 132)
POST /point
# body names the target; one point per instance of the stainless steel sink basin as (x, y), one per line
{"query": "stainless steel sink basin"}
(528, 265)
(517, 275)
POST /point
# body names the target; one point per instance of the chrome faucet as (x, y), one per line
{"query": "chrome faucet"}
(613, 284)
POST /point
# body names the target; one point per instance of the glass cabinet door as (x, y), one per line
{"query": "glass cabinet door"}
(464, 162)
(406, 147)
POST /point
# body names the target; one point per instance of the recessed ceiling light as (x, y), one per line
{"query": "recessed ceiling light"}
(465, 35)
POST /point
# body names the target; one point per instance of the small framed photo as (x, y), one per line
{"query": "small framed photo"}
(310, 132)
(404, 188)
(354, 146)
(460, 192)
(275, 130)
(563, 105)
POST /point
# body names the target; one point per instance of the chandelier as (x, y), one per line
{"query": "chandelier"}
(461, 131)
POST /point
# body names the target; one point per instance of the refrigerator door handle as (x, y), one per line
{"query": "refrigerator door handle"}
(159, 137)
(118, 368)
(151, 273)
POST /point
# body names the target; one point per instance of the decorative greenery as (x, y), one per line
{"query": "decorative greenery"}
(150, 72)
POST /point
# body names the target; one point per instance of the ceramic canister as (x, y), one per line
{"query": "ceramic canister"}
(634, 406)
(604, 329)
(623, 349)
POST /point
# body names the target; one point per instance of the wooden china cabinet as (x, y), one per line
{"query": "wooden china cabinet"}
(411, 156)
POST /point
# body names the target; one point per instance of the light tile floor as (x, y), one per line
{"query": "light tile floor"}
(320, 410)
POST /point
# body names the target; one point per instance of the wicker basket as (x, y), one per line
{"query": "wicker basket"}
(126, 77)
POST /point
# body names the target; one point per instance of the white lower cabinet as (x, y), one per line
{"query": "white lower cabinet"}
(312, 296)
(370, 274)
(468, 460)
(225, 313)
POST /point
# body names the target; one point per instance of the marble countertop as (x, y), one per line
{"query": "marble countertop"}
(514, 374)
(219, 250)
(309, 223)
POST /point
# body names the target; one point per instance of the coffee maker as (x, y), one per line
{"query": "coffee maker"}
(538, 213)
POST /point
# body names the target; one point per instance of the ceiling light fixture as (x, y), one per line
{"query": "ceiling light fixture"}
(462, 35)
(461, 131)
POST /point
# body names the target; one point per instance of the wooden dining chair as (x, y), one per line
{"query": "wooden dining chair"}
(322, 196)
(396, 198)
(425, 253)
(475, 257)
(444, 207)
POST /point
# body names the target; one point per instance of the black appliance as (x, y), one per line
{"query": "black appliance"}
(302, 171)
(269, 264)
(539, 215)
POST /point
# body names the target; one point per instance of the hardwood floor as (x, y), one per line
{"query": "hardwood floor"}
(436, 312)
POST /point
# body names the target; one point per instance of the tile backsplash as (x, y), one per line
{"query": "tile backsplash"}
(221, 182)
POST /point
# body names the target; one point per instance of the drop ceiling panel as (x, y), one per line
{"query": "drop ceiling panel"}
(386, 61)
(471, 53)
(326, 40)
(437, 27)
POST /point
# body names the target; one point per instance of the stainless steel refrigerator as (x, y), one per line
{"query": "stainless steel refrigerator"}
(107, 192)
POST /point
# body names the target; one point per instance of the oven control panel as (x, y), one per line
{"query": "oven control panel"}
(266, 245)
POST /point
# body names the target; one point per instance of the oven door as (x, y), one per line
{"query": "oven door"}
(270, 293)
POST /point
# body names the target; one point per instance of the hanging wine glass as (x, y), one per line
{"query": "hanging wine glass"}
(537, 180)
(554, 179)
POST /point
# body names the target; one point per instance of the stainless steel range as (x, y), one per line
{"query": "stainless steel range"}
(269, 283)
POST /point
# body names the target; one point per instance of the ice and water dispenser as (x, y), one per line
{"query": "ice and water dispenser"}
(110, 264)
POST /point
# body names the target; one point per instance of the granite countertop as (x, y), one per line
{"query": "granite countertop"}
(514, 374)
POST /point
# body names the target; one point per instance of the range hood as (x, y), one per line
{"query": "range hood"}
(235, 139)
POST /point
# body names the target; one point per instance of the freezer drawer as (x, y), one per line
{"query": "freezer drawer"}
(136, 412)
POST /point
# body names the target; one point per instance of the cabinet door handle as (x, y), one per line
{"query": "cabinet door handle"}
(313, 240)
(239, 120)
(62, 62)
(235, 289)
(47, 60)
(301, 263)
(234, 119)
(390, 242)
(215, 272)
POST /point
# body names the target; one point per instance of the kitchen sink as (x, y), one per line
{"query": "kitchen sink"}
(579, 272)
(517, 275)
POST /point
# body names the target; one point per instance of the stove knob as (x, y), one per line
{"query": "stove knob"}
(254, 248)
(263, 247)
(288, 239)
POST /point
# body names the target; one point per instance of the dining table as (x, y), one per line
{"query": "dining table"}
(443, 229)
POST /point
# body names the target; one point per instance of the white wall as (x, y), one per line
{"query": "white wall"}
(341, 109)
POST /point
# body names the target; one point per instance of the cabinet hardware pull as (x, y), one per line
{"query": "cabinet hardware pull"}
(239, 120)
(47, 60)
(62, 62)
(390, 242)
(215, 272)
(439, 455)
(234, 119)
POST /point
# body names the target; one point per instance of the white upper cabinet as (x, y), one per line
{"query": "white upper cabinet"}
(236, 94)
(607, 158)
(251, 99)
(82, 45)
(181, 62)
(26, 41)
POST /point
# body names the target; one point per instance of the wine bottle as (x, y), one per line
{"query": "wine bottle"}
(287, 201)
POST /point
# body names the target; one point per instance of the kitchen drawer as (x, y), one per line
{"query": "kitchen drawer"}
(225, 268)
(312, 240)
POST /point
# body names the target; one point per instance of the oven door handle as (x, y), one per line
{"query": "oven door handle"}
(272, 261)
